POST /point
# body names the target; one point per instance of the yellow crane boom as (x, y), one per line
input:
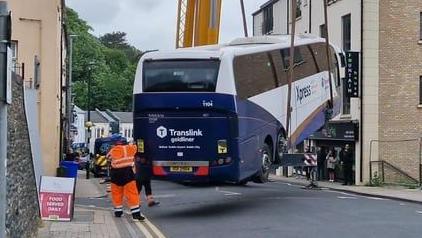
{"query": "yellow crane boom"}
(198, 22)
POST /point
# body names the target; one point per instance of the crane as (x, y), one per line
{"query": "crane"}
(198, 22)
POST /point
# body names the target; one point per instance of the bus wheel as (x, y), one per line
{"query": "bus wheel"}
(266, 160)
(281, 146)
(243, 182)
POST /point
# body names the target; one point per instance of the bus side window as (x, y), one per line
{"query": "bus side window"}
(278, 64)
(253, 74)
(307, 66)
(285, 54)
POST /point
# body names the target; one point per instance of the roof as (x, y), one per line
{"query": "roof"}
(266, 4)
(124, 117)
(96, 117)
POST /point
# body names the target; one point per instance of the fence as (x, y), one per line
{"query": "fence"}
(398, 163)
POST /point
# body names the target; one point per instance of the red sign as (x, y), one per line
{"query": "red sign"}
(56, 198)
(56, 206)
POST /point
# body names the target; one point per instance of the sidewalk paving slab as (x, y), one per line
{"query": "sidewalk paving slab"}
(388, 192)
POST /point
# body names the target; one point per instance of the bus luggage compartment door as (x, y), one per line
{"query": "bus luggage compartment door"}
(185, 143)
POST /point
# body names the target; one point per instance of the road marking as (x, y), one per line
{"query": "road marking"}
(155, 229)
(340, 197)
(143, 229)
(419, 212)
(227, 193)
(376, 198)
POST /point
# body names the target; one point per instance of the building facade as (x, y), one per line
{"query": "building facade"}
(388, 37)
(39, 52)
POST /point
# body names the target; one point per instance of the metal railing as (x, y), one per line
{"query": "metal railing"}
(387, 172)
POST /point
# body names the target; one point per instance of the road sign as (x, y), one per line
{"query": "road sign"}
(352, 74)
(56, 198)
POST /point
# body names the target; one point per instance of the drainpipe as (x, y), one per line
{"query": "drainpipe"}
(361, 92)
(310, 17)
(4, 35)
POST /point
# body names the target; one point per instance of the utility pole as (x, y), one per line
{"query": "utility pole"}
(69, 112)
(4, 87)
(327, 47)
(291, 71)
(245, 27)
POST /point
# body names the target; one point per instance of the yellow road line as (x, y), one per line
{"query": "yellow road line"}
(144, 230)
(155, 229)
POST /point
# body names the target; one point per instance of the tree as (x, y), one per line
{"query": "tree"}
(110, 61)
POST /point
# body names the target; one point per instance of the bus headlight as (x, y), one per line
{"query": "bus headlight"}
(220, 161)
(141, 147)
(222, 147)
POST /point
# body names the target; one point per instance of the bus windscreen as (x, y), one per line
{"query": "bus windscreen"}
(180, 75)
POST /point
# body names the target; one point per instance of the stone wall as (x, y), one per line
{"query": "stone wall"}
(22, 215)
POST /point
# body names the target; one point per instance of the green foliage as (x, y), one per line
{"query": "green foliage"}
(376, 181)
(109, 61)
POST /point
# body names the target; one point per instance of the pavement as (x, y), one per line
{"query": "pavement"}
(389, 192)
(93, 221)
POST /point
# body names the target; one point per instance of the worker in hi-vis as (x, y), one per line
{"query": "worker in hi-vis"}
(123, 182)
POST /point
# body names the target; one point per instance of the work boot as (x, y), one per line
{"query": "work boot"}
(137, 216)
(118, 213)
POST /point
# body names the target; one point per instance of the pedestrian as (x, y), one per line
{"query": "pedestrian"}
(123, 184)
(346, 158)
(143, 177)
(331, 164)
(321, 156)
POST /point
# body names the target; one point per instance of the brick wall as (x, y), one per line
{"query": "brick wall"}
(400, 67)
(22, 215)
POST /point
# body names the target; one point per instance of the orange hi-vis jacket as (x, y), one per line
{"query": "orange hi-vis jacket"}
(122, 156)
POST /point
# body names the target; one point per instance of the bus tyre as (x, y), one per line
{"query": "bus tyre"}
(281, 147)
(266, 160)
(243, 182)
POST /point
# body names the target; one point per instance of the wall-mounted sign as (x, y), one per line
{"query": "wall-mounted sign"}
(56, 198)
(348, 131)
(352, 74)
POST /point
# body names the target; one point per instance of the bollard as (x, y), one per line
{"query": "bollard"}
(87, 167)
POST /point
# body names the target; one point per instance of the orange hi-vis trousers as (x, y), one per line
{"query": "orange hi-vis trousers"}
(128, 191)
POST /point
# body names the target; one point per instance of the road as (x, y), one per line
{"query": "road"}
(274, 209)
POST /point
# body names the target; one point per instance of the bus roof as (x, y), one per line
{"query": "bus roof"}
(239, 46)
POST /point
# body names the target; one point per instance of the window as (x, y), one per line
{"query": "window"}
(268, 22)
(98, 133)
(37, 72)
(420, 27)
(346, 99)
(180, 76)
(420, 90)
(14, 47)
(322, 31)
(253, 74)
(347, 28)
(298, 8)
(285, 54)
(102, 131)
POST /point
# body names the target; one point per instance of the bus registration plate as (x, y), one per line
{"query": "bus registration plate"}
(181, 169)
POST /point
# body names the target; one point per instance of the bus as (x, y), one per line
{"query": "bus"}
(218, 113)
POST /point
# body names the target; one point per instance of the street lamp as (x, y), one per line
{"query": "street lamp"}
(90, 66)
(69, 113)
